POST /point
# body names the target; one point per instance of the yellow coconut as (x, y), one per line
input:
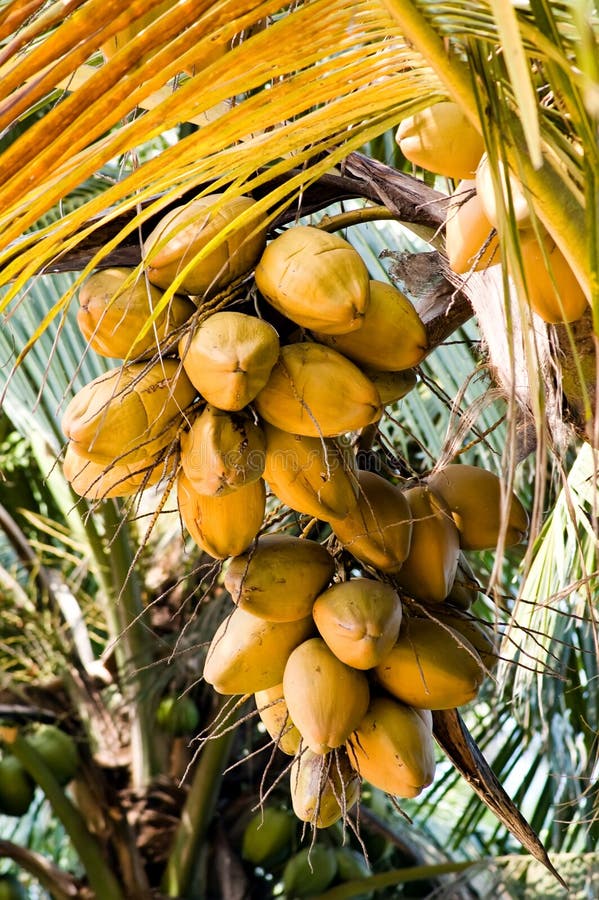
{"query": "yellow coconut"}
(175, 244)
(431, 666)
(274, 714)
(470, 241)
(112, 314)
(130, 413)
(326, 699)
(391, 337)
(477, 631)
(226, 525)
(513, 196)
(222, 451)
(552, 287)
(323, 788)
(229, 358)
(280, 577)
(314, 390)
(316, 279)
(99, 481)
(377, 531)
(359, 620)
(441, 139)
(429, 569)
(474, 496)
(392, 386)
(393, 748)
(248, 654)
(310, 475)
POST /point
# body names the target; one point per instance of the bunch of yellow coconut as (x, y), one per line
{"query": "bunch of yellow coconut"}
(349, 643)
(442, 140)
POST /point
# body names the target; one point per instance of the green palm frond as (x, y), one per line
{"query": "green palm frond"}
(555, 625)
(57, 366)
(563, 579)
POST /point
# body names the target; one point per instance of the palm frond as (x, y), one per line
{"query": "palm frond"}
(348, 72)
(555, 621)
(37, 390)
(564, 576)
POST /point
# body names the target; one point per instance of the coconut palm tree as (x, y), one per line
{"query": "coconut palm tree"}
(110, 118)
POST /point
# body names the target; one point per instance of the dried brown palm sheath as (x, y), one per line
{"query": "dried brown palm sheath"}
(456, 741)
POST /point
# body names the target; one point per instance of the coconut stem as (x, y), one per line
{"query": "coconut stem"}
(354, 217)
(196, 815)
(376, 214)
(132, 648)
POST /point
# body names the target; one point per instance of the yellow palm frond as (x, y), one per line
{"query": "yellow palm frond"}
(325, 75)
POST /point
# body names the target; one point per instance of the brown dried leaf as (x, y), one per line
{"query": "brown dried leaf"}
(455, 739)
